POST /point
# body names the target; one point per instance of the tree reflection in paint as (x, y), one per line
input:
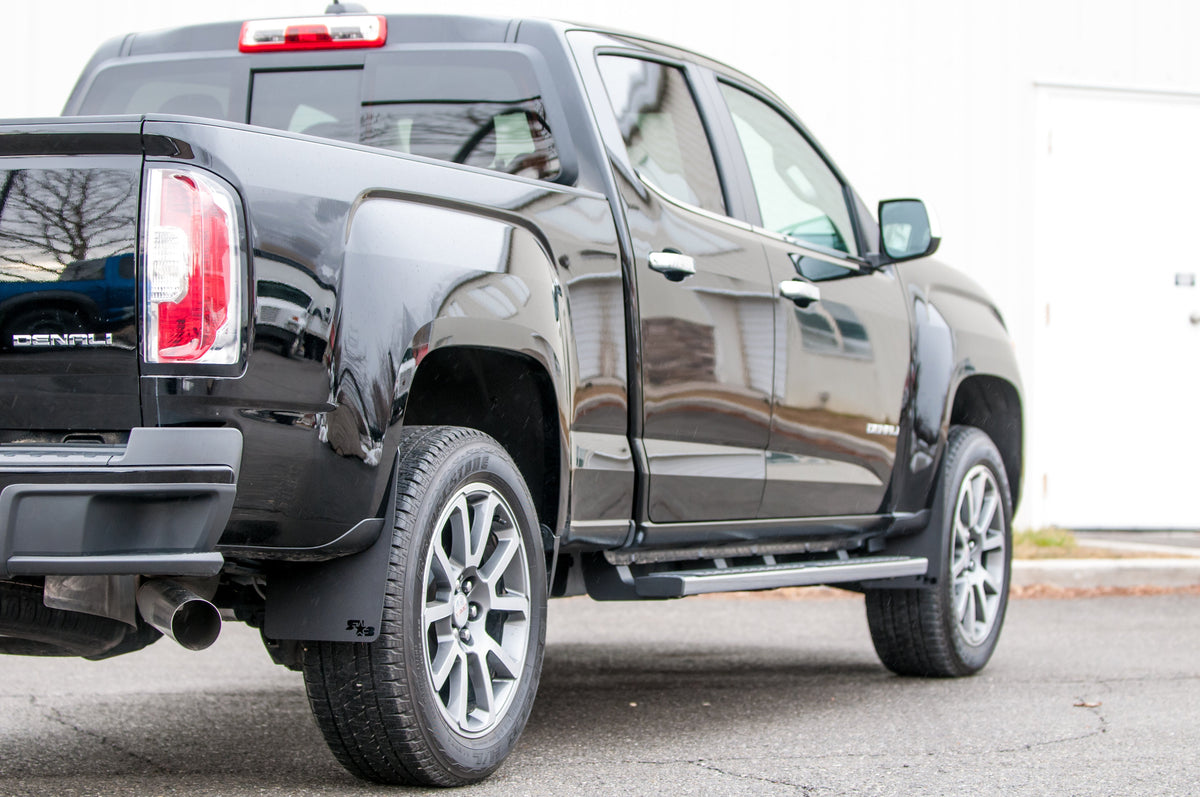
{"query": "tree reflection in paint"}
(51, 218)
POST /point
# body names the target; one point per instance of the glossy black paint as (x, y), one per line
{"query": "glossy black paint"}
(423, 258)
(391, 290)
(68, 227)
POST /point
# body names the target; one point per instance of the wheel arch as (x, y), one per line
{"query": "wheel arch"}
(508, 395)
(993, 405)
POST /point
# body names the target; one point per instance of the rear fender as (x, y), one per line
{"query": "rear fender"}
(453, 279)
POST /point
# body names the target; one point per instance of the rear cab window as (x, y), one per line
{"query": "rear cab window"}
(482, 107)
(210, 87)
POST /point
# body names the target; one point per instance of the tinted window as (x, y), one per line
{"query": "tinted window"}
(481, 109)
(321, 103)
(798, 194)
(479, 114)
(662, 129)
(190, 88)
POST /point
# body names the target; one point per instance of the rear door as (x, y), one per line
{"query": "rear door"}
(68, 321)
(705, 305)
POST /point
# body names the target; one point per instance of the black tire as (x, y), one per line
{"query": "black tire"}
(29, 628)
(376, 703)
(922, 631)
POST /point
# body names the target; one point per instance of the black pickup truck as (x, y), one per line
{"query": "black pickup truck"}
(431, 319)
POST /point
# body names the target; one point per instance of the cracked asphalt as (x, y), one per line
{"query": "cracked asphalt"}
(710, 696)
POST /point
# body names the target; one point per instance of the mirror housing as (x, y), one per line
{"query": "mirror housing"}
(906, 231)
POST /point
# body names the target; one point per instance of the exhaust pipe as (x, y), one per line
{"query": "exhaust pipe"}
(179, 613)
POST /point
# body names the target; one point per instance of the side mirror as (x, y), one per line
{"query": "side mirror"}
(906, 230)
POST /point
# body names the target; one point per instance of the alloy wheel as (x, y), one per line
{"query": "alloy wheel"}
(476, 609)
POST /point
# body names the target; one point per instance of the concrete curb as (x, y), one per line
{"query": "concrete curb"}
(1181, 572)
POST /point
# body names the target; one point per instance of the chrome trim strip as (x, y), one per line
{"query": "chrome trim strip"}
(838, 258)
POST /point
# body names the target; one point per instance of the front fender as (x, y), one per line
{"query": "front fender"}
(958, 335)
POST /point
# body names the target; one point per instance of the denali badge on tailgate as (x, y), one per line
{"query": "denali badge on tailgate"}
(63, 340)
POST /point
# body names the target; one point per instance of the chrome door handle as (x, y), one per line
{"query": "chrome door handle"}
(802, 293)
(675, 266)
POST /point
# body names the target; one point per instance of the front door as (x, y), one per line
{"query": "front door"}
(842, 348)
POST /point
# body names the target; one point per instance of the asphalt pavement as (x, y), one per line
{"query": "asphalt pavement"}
(758, 694)
(730, 695)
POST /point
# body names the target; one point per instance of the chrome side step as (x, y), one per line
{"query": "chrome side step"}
(679, 583)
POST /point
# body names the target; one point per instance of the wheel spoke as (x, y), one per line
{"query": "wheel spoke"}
(443, 665)
(982, 607)
(979, 491)
(481, 681)
(445, 567)
(962, 513)
(986, 582)
(436, 611)
(459, 683)
(498, 562)
(460, 532)
(511, 602)
(506, 665)
(993, 542)
(481, 529)
(965, 607)
(988, 512)
(961, 554)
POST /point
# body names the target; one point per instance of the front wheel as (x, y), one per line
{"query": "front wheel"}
(441, 697)
(951, 628)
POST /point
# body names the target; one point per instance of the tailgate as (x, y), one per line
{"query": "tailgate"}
(68, 279)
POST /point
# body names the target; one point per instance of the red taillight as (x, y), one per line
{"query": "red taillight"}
(313, 33)
(193, 294)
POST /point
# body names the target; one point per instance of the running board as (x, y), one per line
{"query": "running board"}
(679, 583)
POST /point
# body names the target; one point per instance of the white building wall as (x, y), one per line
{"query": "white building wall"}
(928, 98)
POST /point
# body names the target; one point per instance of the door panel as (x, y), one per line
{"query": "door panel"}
(841, 367)
(706, 338)
(842, 346)
(707, 364)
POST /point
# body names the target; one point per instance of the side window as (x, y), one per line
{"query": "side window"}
(662, 130)
(798, 194)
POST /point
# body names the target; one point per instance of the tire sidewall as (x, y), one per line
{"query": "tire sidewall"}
(968, 447)
(476, 460)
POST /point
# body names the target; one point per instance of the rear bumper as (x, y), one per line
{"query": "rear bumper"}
(155, 506)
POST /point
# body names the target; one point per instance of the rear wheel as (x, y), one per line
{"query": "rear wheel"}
(951, 628)
(441, 697)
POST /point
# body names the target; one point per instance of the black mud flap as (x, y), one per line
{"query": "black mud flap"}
(336, 601)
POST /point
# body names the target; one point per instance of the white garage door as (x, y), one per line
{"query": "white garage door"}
(1116, 427)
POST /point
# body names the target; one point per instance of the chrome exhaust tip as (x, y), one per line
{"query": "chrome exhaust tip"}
(179, 613)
